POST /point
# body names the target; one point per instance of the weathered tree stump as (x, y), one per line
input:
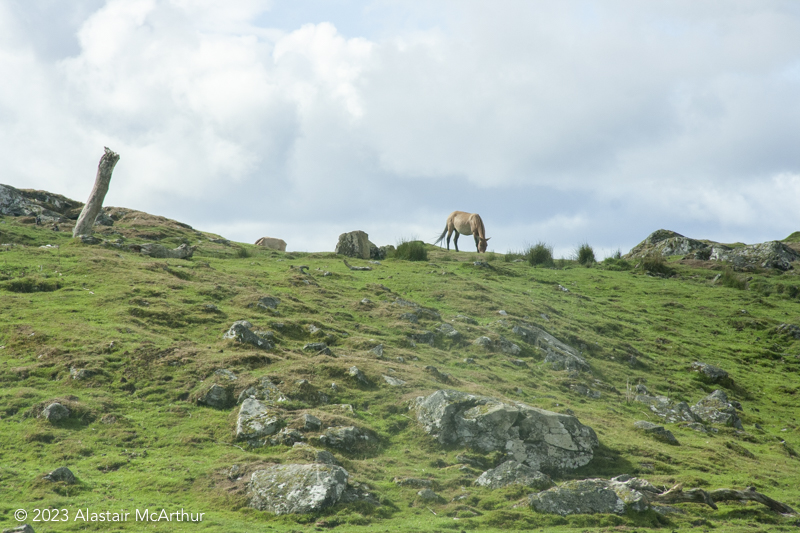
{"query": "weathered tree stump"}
(95, 202)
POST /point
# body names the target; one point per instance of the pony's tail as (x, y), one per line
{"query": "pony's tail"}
(441, 237)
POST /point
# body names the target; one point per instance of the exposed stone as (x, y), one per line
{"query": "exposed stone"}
(466, 319)
(424, 338)
(514, 473)
(255, 420)
(24, 528)
(81, 373)
(241, 333)
(658, 432)
(441, 377)
(508, 347)
(716, 409)
(667, 243)
(225, 374)
(51, 208)
(183, 251)
(359, 376)
(590, 496)
(263, 390)
(789, 329)
(541, 439)
(357, 244)
(297, 489)
(410, 317)
(311, 422)
(427, 495)
(485, 342)
(710, 373)
(287, 437)
(325, 457)
(344, 438)
(55, 412)
(62, 474)
(413, 482)
(772, 254)
(378, 350)
(217, 397)
(586, 391)
(449, 332)
(561, 361)
(667, 409)
(562, 356)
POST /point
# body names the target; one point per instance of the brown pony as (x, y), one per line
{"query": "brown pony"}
(463, 223)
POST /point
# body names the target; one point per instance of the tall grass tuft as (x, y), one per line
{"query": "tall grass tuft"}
(585, 255)
(654, 263)
(540, 254)
(411, 251)
(243, 253)
(511, 255)
(730, 279)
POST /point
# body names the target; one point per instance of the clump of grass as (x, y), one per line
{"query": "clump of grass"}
(730, 279)
(540, 254)
(31, 284)
(654, 263)
(491, 256)
(411, 251)
(511, 255)
(616, 262)
(585, 255)
(243, 253)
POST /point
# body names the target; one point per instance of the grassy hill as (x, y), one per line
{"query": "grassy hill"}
(147, 334)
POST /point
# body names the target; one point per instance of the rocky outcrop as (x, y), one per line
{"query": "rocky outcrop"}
(666, 243)
(263, 390)
(241, 333)
(591, 496)
(710, 373)
(667, 409)
(29, 203)
(216, 396)
(255, 420)
(541, 439)
(716, 409)
(656, 431)
(357, 244)
(346, 438)
(514, 473)
(297, 489)
(162, 252)
(560, 355)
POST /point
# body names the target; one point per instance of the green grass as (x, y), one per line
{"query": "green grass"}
(411, 251)
(138, 440)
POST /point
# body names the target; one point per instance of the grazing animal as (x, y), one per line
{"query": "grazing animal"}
(464, 223)
(272, 244)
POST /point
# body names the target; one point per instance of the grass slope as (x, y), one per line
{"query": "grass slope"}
(149, 333)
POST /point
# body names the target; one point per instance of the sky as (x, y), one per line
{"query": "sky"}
(564, 122)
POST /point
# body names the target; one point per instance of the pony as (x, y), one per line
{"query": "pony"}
(463, 223)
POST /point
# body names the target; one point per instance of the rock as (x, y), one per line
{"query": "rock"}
(271, 243)
(356, 244)
(263, 390)
(466, 319)
(561, 361)
(49, 207)
(590, 496)
(81, 373)
(715, 409)
(297, 489)
(508, 347)
(311, 422)
(668, 410)
(359, 376)
(427, 495)
(217, 397)
(711, 374)
(62, 474)
(255, 420)
(514, 473)
(668, 243)
(449, 332)
(658, 432)
(772, 254)
(241, 333)
(325, 457)
(162, 252)
(268, 302)
(24, 528)
(320, 348)
(394, 382)
(586, 391)
(55, 412)
(378, 350)
(413, 482)
(385, 251)
(423, 338)
(502, 313)
(344, 438)
(541, 439)
(441, 377)
(89, 239)
(225, 374)
(789, 329)
(366, 301)
(485, 342)
(102, 219)
(561, 355)
(410, 317)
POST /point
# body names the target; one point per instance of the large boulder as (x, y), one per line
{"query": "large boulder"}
(514, 473)
(666, 243)
(711, 373)
(560, 355)
(772, 254)
(357, 244)
(667, 409)
(541, 439)
(55, 412)
(590, 496)
(297, 489)
(255, 420)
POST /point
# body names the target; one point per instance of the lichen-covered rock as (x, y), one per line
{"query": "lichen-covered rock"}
(427, 495)
(24, 528)
(772, 254)
(320, 348)
(507, 347)
(263, 390)
(297, 489)
(590, 496)
(311, 422)
(240, 332)
(62, 474)
(667, 243)
(541, 439)
(514, 473)
(394, 382)
(658, 432)
(710, 373)
(255, 420)
(55, 412)
(791, 330)
(356, 244)
(359, 376)
(268, 302)
(216, 396)
(485, 342)
(345, 438)
(562, 361)
(156, 250)
(449, 332)
(561, 355)
(716, 409)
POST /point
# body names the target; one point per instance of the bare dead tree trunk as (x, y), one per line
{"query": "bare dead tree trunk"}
(95, 202)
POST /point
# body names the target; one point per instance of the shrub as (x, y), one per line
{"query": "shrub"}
(411, 251)
(585, 255)
(616, 263)
(655, 263)
(243, 253)
(540, 254)
(730, 279)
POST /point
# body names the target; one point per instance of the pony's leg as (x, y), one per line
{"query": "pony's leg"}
(476, 242)
(449, 233)
(455, 240)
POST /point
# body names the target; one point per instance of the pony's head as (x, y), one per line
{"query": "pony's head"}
(483, 244)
